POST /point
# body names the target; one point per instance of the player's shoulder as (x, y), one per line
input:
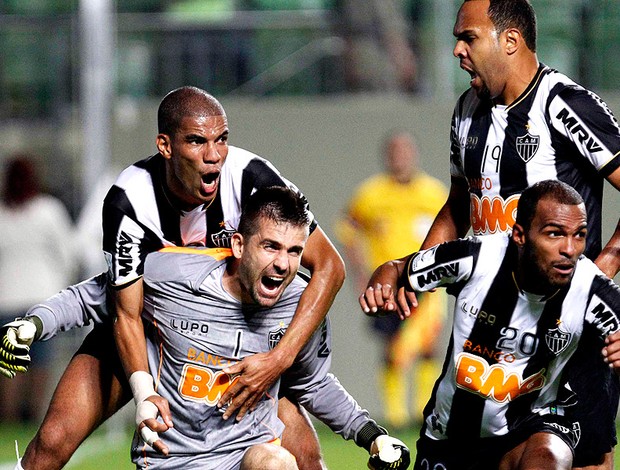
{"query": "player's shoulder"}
(466, 105)
(139, 174)
(559, 85)
(241, 158)
(172, 264)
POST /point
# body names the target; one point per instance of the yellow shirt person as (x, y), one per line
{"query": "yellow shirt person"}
(388, 217)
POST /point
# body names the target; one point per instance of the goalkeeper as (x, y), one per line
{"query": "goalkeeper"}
(206, 310)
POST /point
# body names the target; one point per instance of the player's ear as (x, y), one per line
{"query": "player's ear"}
(513, 40)
(236, 244)
(163, 145)
(518, 235)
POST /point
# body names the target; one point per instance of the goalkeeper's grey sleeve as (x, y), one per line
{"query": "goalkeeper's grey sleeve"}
(320, 392)
(73, 307)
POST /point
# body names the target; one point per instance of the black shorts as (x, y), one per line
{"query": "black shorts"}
(597, 392)
(461, 453)
(100, 344)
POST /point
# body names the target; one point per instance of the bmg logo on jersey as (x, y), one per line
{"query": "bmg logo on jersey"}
(495, 382)
(204, 385)
(492, 214)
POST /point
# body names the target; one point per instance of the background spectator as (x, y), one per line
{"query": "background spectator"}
(36, 261)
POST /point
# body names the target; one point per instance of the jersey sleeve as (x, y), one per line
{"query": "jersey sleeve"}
(603, 311)
(259, 173)
(73, 307)
(586, 121)
(319, 391)
(456, 160)
(448, 263)
(125, 241)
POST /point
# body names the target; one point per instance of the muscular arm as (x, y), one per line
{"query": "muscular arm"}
(258, 372)
(328, 272)
(453, 220)
(608, 260)
(128, 329)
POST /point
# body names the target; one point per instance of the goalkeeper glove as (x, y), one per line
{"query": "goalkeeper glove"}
(388, 452)
(15, 340)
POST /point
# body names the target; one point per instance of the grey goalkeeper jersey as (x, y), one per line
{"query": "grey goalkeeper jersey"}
(194, 329)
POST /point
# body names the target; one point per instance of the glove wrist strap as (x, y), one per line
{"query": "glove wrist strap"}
(369, 432)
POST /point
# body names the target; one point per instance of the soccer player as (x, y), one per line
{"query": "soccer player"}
(524, 302)
(205, 309)
(522, 122)
(190, 193)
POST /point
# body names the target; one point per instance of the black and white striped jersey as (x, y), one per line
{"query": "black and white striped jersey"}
(138, 217)
(555, 130)
(508, 348)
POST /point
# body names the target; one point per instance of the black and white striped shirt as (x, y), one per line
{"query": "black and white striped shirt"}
(138, 217)
(555, 130)
(508, 348)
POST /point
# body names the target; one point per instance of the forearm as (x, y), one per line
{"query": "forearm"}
(313, 306)
(327, 276)
(128, 328)
(73, 307)
(131, 344)
(608, 260)
(329, 402)
(453, 220)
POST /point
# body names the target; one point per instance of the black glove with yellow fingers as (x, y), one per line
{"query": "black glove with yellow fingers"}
(15, 340)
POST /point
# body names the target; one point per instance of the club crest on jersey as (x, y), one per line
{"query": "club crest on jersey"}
(222, 238)
(527, 146)
(275, 337)
(557, 340)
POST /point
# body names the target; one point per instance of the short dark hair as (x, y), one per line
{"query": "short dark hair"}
(276, 203)
(517, 14)
(555, 190)
(183, 102)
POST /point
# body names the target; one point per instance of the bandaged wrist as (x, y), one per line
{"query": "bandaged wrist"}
(141, 384)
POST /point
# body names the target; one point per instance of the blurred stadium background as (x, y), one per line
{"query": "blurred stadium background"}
(80, 82)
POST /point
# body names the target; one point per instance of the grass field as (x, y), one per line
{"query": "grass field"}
(108, 449)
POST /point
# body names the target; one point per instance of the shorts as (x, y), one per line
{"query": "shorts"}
(460, 453)
(100, 344)
(597, 391)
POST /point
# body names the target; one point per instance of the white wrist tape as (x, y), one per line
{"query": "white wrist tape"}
(146, 410)
(141, 384)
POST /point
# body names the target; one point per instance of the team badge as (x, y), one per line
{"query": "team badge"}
(276, 336)
(527, 146)
(557, 340)
(222, 238)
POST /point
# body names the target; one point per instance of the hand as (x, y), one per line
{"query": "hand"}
(379, 299)
(255, 374)
(611, 351)
(387, 452)
(147, 424)
(15, 340)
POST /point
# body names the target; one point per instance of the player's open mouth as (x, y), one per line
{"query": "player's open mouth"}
(209, 181)
(271, 283)
(564, 268)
